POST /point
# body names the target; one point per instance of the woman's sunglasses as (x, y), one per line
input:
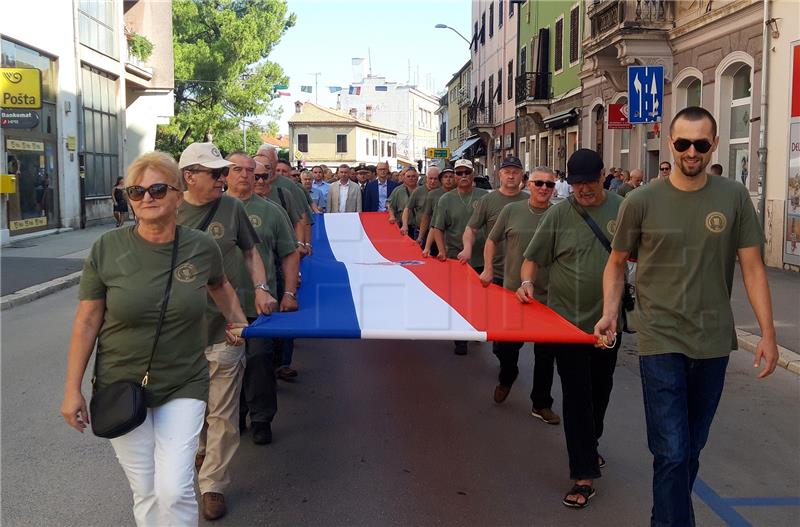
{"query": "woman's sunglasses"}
(701, 145)
(156, 191)
(548, 184)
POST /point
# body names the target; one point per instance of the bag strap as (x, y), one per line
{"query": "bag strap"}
(207, 220)
(591, 223)
(282, 199)
(164, 303)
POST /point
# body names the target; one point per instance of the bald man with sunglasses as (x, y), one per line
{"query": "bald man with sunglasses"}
(687, 230)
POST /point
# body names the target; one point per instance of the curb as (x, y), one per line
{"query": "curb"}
(786, 358)
(38, 291)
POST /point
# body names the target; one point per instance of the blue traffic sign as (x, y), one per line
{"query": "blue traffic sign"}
(645, 94)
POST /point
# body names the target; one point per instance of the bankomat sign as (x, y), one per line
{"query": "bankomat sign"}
(20, 88)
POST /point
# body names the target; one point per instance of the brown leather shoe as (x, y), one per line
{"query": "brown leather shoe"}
(198, 461)
(501, 393)
(547, 415)
(213, 506)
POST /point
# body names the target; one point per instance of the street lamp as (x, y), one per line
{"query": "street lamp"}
(445, 26)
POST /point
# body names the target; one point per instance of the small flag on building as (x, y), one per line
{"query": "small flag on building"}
(381, 88)
(334, 89)
(306, 89)
(355, 90)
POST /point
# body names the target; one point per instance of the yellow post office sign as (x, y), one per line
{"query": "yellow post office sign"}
(20, 88)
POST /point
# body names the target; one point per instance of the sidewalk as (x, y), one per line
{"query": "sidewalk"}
(35, 266)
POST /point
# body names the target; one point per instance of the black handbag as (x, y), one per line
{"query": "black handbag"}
(629, 291)
(120, 407)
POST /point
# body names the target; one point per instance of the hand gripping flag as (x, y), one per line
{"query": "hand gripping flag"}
(366, 280)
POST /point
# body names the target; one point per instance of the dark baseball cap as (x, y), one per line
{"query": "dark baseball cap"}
(510, 161)
(584, 166)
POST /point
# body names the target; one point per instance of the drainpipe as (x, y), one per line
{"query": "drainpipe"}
(762, 139)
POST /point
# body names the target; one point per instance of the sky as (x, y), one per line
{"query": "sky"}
(329, 33)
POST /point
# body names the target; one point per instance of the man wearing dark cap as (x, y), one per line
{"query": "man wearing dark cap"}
(566, 243)
(377, 192)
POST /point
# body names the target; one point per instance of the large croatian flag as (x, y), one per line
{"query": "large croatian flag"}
(366, 280)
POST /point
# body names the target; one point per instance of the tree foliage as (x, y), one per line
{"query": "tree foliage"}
(221, 69)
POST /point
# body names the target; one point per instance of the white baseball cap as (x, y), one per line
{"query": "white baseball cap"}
(204, 154)
(464, 163)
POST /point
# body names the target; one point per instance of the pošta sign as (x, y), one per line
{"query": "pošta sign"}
(20, 88)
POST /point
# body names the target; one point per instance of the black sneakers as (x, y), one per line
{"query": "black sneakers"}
(262, 433)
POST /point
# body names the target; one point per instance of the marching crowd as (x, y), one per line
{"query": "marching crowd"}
(218, 241)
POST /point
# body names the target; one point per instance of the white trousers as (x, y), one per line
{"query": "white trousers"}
(158, 458)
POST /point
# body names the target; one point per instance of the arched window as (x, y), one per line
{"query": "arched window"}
(687, 89)
(735, 103)
(694, 93)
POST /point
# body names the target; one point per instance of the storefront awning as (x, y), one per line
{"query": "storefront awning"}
(458, 152)
(561, 119)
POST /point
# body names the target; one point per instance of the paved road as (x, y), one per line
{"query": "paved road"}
(398, 433)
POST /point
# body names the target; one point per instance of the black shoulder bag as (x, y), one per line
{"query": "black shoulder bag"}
(629, 293)
(120, 407)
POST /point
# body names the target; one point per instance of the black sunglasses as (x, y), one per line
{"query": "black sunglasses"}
(463, 173)
(548, 184)
(156, 191)
(262, 176)
(216, 173)
(664, 169)
(701, 145)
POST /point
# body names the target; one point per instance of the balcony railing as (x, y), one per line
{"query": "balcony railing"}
(478, 117)
(607, 15)
(533, 87)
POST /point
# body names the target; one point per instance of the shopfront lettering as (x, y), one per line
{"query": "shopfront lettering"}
(20, 98)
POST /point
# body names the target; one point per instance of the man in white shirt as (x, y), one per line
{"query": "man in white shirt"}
(563, 189)
(344, 195)
(322, 186)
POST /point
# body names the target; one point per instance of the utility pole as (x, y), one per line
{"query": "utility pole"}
(316, 86)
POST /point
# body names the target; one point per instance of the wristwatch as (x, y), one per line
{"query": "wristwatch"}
(262, 286)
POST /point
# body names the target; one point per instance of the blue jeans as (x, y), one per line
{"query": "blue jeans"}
(681, 395)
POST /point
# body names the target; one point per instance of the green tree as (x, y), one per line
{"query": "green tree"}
(221, 69)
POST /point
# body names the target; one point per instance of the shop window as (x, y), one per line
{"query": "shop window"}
(302, 142)
(100, 131)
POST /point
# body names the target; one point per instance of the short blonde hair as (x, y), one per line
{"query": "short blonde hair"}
(161, 162)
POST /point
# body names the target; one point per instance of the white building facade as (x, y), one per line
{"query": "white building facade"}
(100, 107)
(401, 107)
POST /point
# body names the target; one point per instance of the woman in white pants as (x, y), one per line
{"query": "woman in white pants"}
(121, 291)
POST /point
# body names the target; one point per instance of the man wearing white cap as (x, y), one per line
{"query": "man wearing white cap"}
(206, 208)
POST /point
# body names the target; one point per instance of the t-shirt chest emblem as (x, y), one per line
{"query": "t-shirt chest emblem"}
(216, 230)
(186, 273)
(255, 220)
(611, 227)
(716, 222)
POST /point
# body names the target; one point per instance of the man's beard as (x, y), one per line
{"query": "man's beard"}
(693, 172)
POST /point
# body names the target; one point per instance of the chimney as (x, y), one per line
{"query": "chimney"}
(369, 112)
(298, 106)
(354, 113)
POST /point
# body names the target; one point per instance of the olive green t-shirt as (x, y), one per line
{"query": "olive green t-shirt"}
(397, 201)
(298, 194)
(284, 198)
(431, 200)
(576, 258)
(130, 274)
(272, 226)
(232, 231)
(451, 217)
(687, 243)
(485, 215)
(515, 227)
(624, 189)
(415, 205)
